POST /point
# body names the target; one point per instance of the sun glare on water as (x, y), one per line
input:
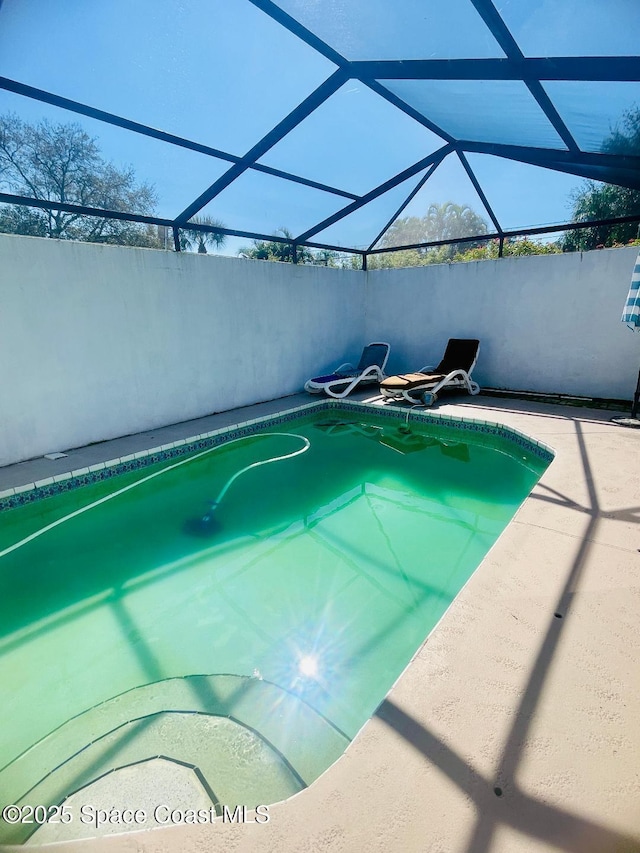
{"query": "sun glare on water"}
(308, 666)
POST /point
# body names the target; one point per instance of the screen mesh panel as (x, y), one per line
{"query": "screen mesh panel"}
(266, 115)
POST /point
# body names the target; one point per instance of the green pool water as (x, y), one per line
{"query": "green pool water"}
(250, 638)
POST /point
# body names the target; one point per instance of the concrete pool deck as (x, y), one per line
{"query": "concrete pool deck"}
(514, 728)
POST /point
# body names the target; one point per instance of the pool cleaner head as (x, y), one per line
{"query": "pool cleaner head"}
(206, 525)
(206, 519)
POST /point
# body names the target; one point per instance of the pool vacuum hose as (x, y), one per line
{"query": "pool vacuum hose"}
(306, 445)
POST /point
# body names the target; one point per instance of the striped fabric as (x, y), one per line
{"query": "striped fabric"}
(631, 313)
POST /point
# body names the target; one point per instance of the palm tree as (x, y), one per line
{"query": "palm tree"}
(192, 237)
(448, 221)
(441, 222)
(274, 250)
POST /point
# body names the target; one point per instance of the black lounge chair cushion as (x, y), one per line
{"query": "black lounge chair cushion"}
(460, 354)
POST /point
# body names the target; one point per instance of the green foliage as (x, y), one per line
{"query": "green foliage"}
(488, 252)
(60, 162)
(625, 137)
(326, 258)
(438, 255)
(525, 246)
(441, 222)
(405, 258)
(15, 219)
(191, 238)
(512, 247)
(274, 250)
(607, 201)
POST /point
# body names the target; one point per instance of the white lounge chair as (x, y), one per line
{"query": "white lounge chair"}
(345, 378)
(454, 371)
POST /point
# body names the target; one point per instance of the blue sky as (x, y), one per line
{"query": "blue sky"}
(223, 73)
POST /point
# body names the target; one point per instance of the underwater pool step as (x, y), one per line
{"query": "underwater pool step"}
(158, 787)
(236, 730)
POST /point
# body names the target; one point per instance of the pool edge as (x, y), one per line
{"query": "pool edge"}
(18, 496)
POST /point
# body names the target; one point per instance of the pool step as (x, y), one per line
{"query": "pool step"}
(234, 732)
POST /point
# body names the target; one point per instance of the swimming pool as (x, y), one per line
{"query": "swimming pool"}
(240, 605)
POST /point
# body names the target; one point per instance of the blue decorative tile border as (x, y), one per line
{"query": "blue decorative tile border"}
(22, 495)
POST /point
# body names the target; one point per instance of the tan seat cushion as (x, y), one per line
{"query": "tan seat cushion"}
(406, 381)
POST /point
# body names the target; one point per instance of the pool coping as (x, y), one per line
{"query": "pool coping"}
(69, 480)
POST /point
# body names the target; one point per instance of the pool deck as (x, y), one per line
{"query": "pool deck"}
(514, 729)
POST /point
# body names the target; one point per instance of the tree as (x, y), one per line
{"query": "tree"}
(592, 201)
(190, 237)
(60, 162)
(274, 250)
(16, 219)
(325, 258)
(489, 250)
(511, 247)
(625, 137)
(441, 222)
(602, 202)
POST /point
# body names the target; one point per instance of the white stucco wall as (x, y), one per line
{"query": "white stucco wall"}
(102, 341)
(546, 322)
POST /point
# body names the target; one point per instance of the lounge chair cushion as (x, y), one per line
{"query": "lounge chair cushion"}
(460, 354)
(406, 381)
(346, 377)
(373, 354)
(333, 377)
